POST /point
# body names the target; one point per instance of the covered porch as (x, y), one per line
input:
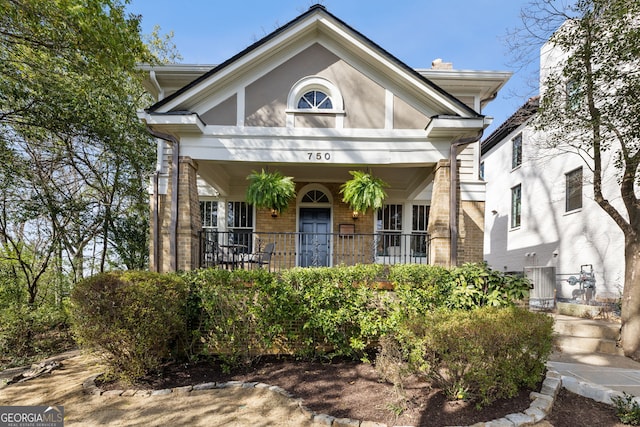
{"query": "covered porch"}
(277, 251)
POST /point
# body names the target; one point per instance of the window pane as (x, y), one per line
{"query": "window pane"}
(516, 159)
(325, 105)
(315, 196)
(574, 190)
(390, 225)
(209, 213)
(239, 215)
(315, 99)
(573, 95)
(516, 206)
(303, 104)
(420, 218)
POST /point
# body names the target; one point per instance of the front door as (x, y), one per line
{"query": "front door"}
(315, 237)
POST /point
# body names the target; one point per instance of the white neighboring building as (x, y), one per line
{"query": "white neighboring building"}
(540, 209)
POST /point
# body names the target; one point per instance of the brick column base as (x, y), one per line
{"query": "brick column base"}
(438, 226)
(189, 224)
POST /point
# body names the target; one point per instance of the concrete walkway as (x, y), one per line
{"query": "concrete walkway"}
(599, 370)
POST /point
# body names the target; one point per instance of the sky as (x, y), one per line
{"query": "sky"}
(469, 33)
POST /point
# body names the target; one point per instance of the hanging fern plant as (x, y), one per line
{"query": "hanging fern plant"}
(363, 191)
(270, 190)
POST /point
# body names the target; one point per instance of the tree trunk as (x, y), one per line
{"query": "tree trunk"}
(630, 333)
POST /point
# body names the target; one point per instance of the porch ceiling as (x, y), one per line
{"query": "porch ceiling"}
(229, 178)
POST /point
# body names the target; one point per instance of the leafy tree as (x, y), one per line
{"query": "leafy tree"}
(590, 105)
(76, 157)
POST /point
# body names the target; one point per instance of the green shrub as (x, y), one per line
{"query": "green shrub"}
(135, 319)
(627, 409)
(225, 313)
(419, 288)
(477, 285)
(339, 313)
(28, 332)
(306, 312)
(488, 353)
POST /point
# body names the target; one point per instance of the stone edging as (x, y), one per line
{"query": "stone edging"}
(541, 404)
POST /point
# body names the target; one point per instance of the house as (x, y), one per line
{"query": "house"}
(540, 208)
(314, 100)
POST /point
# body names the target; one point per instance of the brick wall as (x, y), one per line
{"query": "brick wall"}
(438, 226)
(473, 237)
(189, 224)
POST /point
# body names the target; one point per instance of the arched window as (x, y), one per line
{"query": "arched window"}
(315, 196)
(315, 95)
(315, 100)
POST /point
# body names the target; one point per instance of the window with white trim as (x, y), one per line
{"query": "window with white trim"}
(209, 214)
(314, 196)
(240, 225)
(389, 227)
(516, 151)
(420, 220)
(573, 96)
(315, 100)
(315, 93)
(209, 217)
(573, 190)
(516, 206)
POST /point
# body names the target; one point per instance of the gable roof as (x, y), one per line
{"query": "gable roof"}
(322, 12)
(523, 114)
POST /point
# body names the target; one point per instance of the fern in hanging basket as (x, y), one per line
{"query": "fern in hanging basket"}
(270, 190)
(363, 191)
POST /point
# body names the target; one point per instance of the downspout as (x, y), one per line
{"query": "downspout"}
(173, 227)
(156, 220)
(156, 179)
(453, 194)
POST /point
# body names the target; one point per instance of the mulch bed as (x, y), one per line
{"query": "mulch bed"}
(347, 389)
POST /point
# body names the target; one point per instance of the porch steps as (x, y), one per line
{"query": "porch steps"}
(578, 335)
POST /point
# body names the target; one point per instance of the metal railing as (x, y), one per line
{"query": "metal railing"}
(278, 251)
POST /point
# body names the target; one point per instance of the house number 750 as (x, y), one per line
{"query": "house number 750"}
(319, 156)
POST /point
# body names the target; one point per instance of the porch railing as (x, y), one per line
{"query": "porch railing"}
(278, 251)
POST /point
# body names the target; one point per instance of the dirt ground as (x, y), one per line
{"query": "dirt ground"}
(341, 390)
(224, 407)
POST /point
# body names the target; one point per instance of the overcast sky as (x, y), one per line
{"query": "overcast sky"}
(469, 33)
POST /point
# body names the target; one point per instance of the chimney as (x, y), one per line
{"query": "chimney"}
(437, 64)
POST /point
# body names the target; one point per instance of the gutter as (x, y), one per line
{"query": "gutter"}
(173, 227)
(156, 84)
(453, 193)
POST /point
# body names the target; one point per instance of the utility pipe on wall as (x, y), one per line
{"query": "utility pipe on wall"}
(173, 227)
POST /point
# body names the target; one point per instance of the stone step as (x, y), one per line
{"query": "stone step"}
(576, 334)
(587, 345)
(587, 328)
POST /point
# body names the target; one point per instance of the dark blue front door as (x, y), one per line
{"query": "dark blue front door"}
(315, 237)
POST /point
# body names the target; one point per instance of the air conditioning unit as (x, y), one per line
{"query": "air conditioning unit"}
(544, 285)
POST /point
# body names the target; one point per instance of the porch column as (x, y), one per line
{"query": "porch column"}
(185, 254)
(471, 237)
(189, 221)
(438, 226)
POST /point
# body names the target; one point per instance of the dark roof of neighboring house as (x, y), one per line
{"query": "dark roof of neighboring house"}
(523, 114)
(265, 39)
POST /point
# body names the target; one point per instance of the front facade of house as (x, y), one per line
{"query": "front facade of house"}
(313, 101)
